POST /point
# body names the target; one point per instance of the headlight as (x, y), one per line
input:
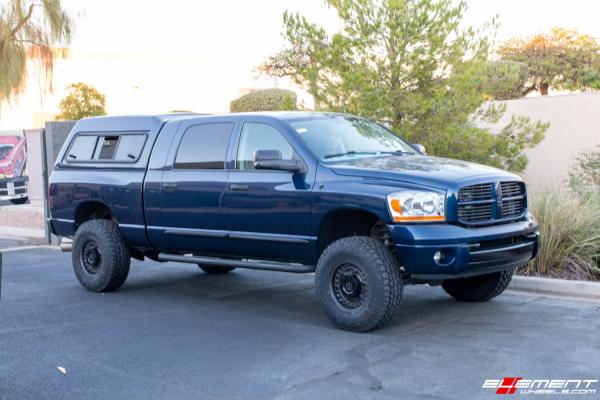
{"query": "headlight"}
(416, 206)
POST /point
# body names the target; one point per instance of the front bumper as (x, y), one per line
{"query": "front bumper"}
(13, 188)
(465, 251)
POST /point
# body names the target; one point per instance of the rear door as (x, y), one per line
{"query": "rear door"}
(192, 215)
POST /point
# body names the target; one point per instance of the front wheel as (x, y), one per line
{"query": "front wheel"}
(478, 288)
(100, 257)
(358, 283)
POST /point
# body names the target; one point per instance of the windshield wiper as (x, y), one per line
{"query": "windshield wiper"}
(352, 152)
(346, 153)
(399, 152)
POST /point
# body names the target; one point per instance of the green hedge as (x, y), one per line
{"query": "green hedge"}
(265, 100)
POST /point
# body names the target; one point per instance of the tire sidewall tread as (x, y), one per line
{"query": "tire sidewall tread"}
(384, 283)
(116, 259)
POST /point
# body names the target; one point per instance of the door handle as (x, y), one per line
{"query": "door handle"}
(169, 185)
(239, 188)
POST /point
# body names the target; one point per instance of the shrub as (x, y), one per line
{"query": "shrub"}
(570, 236)
(265, 100)
(584, 177)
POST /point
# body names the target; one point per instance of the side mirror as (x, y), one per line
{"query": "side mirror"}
(267, 155)
(271, 159)
(420, 148)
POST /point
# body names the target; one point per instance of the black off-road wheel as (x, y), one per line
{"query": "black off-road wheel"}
(20, 200)
(100, 257)
(215, 269)
(358, 283)
(478, 288)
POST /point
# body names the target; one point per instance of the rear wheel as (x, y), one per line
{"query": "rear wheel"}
(100, 257)
(359, 284)
(20, 200)
(478, 288)
(215, 269)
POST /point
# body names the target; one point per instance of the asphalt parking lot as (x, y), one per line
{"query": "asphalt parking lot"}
(174, 332)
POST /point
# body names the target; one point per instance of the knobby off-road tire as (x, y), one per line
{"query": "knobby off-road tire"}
(479, 288)
(215, 269)
(358, 283)
(20, 200)
(100, 257)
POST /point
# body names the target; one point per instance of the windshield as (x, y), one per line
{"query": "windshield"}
(5, 150)
(333, 138)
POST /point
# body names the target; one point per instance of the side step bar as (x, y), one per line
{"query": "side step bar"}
(250, 264)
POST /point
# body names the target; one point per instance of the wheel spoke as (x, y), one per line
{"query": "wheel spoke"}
(349, 286)
(91, 259)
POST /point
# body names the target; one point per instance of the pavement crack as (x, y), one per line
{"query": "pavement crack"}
(357, 370)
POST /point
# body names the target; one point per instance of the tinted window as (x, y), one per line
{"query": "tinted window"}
(130, 147)
(82, 148)
(257, 136)
(204, 146)
(107, 147)
(116, 147)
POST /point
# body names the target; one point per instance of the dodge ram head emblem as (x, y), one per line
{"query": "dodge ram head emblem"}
(499, 195)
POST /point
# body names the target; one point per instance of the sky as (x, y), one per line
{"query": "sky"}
(150, 56)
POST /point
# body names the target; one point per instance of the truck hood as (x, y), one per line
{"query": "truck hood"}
(419, 169)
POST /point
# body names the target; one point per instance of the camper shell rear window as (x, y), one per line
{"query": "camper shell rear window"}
(115, 147)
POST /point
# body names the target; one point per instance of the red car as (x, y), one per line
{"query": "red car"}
(13, 159)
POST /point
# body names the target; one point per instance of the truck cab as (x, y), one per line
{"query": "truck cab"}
(332, 194)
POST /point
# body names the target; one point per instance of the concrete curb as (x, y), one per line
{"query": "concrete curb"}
(556, 287)
(32, 247)
(12, 232)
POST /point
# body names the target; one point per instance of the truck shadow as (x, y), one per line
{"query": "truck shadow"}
(286, 297)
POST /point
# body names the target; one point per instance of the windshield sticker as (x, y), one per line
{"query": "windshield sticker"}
(301, 130)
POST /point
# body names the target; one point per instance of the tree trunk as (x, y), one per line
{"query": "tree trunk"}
(544, 89)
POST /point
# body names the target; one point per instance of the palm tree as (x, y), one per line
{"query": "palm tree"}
(30, 30)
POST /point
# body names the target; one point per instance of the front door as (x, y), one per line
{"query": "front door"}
(193, 191)
(269, 210)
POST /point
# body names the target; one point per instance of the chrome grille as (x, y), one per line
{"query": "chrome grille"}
(476, 192)
(510, 189)
(475, 213)
(490, 203)
(513, 199)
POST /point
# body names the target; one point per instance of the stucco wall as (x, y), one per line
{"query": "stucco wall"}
(574, 126)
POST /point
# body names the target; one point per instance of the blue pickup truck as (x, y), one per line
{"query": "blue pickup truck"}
(331, 194)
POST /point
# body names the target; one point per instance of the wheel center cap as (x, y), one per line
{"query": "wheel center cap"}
(351, 286)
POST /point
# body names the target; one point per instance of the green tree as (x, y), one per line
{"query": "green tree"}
(506, 79)
(35, 31)
(409, 65)
(561, 59)
(82, 101)
(265, 100)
